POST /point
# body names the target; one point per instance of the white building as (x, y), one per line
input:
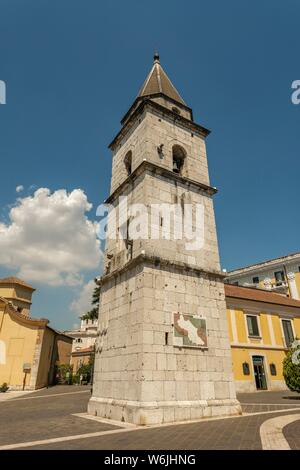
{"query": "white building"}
(280, 275)
(83, 342)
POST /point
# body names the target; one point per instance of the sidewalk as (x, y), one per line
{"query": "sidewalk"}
(10, 394)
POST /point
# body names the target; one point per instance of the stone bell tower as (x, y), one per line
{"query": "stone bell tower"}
(162, 352)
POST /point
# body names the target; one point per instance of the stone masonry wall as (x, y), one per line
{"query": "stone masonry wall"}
(150, 189)
(140, 376)
(173, 373)
(137, 362)
(151, 130)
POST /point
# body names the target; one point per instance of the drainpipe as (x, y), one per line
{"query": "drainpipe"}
(2, 320)
(52, 363)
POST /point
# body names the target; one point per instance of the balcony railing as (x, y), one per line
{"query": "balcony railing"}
(280, 286)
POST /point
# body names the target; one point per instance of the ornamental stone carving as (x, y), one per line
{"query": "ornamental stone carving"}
(267, 283)
(291, 276)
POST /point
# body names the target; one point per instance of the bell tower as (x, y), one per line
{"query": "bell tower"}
(162, 352)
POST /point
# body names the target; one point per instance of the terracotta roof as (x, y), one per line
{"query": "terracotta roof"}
(159, 82)
(15, 280)
(259, 295)
(59, 333)
(83, 351)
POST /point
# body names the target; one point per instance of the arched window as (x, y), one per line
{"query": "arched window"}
(178, 155)
(128, 162)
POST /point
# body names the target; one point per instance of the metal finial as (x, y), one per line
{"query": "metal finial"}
(156, 56)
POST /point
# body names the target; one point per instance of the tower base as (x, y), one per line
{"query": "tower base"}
(159, 412)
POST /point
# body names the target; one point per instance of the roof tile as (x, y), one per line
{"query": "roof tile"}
(159, 82)
(15, 280)
(259, 295)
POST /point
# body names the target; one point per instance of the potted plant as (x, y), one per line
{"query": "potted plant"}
(4, 387)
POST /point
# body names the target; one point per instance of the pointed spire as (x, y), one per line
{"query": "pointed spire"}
(158, 82)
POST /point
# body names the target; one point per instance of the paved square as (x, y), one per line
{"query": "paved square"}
(48, 419)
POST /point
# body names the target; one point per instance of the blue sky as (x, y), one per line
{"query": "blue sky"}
(72, 69)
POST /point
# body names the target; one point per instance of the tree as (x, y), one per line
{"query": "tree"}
(93, 313)
(86, 370)
(291, 367)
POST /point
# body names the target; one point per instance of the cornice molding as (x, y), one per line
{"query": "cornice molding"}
(147, 165)
(257, 306)
(148, 104)
(155, 95)
(291, 262)
(39, 322)
(159, 262)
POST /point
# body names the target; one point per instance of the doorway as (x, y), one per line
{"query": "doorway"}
(259, 373)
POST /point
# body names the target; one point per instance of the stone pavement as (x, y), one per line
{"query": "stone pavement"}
(292, 434)
(284, 397)
(52, 414)
(45, 414)
(269, 401)
(225, 434)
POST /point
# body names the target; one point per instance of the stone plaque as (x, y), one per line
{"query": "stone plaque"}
(189, 331)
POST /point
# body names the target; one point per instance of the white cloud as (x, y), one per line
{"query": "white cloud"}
(49, 238)
(83, 301)
(19, 188)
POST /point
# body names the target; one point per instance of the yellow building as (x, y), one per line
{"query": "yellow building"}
(281, 275)
(81, 357)
(17, 292)
(262, 325)
(29, 348)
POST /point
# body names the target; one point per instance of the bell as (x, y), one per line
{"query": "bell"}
(175, 166)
